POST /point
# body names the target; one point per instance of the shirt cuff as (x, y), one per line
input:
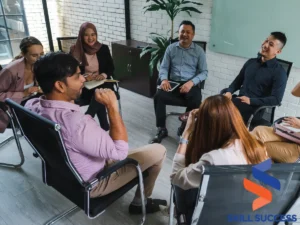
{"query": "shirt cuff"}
(195, 81)
(163, 77)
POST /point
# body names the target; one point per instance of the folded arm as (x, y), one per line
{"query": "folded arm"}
(278, 88)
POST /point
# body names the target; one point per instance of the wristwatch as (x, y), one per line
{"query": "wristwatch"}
(183, 140)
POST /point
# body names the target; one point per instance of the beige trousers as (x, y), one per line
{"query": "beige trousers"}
(150, 157)
(279, 149)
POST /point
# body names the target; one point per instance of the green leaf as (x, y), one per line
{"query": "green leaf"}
(159, 41)
(153, 62)
(152, 7)
(158, 65)
(196, 3)
(185, 9)
(146, 50)
(188, 12)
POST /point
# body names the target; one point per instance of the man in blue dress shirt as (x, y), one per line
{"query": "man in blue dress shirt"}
(185, 63)
(262, 80)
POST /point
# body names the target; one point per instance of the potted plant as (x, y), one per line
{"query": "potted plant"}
(172, 8)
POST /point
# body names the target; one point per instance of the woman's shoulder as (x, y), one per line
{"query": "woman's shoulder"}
(15, 66)
(230, 155)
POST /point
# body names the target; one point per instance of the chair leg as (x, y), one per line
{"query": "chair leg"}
(62, 215)
(171, 213)
(120, 108)
(141, 184)
(6, 141)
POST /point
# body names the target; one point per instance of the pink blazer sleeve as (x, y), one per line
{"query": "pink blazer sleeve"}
(8, 83)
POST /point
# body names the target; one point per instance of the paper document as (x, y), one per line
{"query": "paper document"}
(95, 83)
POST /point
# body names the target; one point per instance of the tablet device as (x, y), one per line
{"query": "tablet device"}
(173, 85)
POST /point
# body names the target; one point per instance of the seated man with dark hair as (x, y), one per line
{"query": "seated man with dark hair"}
(184, 62)
(90, 148)
(262, 80)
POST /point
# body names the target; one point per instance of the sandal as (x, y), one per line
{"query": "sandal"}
(152, 206)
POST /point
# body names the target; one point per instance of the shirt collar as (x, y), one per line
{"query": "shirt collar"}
(58, 104)
(268, 63)
(190, 47)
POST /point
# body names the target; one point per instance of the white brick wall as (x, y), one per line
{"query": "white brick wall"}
(107, 15)
(36, 20)
(222, 68)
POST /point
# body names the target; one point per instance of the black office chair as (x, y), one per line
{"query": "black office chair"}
(179, 101)
(221, 194)
(58, 171)
(64, 45)
(16, 135)
(267, 118)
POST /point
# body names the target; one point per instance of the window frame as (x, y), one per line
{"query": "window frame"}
(24, 21)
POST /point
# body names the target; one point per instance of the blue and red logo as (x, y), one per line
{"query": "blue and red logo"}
(264, 195)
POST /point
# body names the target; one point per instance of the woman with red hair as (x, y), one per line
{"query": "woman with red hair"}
(215, 135)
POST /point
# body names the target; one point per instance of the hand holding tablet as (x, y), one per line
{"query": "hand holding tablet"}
(168, 85)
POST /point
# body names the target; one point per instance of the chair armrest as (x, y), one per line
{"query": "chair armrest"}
(3, 106)
(108, 171)
(257, 110)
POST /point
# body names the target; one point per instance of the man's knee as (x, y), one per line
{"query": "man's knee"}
(260, 132)
(194, 98)
(256, 132)
(160, 150)
(154, 152)
(158, 95)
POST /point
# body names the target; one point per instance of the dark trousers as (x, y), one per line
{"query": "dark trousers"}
(96, 108)
(99, 109)
(162, 98)
(246, 110)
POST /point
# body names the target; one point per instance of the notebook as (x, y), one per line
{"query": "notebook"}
(95, 83)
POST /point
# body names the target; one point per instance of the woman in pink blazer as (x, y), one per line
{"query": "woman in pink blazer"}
(16, 79)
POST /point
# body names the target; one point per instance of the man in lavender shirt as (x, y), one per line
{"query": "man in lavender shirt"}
(90, 148)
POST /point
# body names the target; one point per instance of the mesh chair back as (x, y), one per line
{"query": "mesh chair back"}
(44, 136)
(65, 43)
(227, 202)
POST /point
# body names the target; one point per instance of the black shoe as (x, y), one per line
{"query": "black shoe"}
(152, 206)
(161, 134)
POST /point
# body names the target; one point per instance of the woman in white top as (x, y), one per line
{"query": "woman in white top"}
(215, 134)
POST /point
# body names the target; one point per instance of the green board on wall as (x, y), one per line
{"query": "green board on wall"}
(240, 26)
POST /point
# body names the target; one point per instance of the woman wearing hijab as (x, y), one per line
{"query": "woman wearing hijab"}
(96, 62)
